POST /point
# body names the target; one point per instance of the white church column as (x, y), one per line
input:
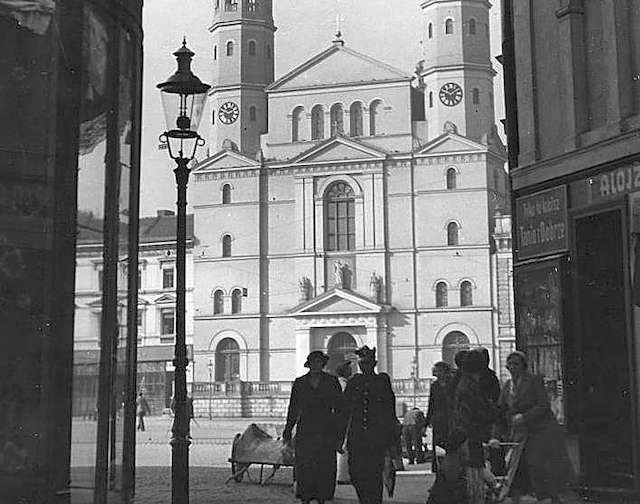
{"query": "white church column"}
(308, 214)
(377, 337)
(378, 210)
(369, 212)
(303, 347)
(299, 239)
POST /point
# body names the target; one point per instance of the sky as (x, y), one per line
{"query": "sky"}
(388, 30)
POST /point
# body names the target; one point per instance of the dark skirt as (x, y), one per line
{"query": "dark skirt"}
(315, 469)
(365, 468)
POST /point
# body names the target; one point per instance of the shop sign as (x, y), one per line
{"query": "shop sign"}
(541, 223)
(614, 183)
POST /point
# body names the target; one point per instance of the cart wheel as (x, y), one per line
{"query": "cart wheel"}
(235, 467)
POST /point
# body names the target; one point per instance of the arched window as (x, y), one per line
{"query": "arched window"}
(226, 194)
(472, 26)
(448, 26)
(268, 51)
(430, 99)
(296, 120)
(452, 344)
(227, 360)
(374, 117)
(215, 52)
(355, 123)
(236, 301)
(341, 349)
(317, 122)
(252, 5)
(466, 293)
(451, 178)
(231, 5)
(442, 295)
(218, 302)
(475, 93)
(430, 30)
(252, 113)
(452, 233)
(226, 246)
(230, 48)
(340, 217)
(252, 48)
(337, 119)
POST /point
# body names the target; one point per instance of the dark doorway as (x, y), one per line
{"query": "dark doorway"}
(341, 348)
(606, 432)
(454, 342)
(227, 360)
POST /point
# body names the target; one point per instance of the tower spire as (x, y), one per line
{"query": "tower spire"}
(339, 19)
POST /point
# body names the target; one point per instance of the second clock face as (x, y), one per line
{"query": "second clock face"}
(450, 94)
(228, 112)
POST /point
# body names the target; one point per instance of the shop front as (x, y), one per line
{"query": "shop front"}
(577, 283)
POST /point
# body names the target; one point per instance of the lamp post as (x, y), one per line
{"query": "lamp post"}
(183, 98)
(210, 367)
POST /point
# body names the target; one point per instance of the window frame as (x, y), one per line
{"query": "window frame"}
(451, 179)
(236, 300)
(226, 194)
(317, 122)
(163, 320)
(226, 245)
(229, 48)
(339, 218)
(296, 121)
(466, 293)
(453, 234)
(252, 48)
(218, 302)
(442, 294)
(356, 127)
(448, 26)
(165, 270)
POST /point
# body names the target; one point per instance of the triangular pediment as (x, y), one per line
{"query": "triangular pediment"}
(451, 143)
(339, 148)
(338, 65)
(337, 301)
(226, 159)
(165, 299)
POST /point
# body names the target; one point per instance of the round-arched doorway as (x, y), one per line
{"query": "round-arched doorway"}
(452, 343)
(341, 348)
(227, 360)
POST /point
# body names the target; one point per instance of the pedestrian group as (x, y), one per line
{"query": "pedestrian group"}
(347, 431)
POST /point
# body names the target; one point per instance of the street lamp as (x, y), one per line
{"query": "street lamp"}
(183, 98)
(210, 367)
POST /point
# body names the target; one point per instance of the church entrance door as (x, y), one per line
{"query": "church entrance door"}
(341, 348)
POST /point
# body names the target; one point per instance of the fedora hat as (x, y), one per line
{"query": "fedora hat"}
(316, 355)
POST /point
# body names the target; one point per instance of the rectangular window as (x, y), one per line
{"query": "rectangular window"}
(167, 321)
(167, 278)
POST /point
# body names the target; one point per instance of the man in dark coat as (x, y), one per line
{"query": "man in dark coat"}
(370, 403)
(142, 409)
(412, 426)
(316, 409)
(438, 409)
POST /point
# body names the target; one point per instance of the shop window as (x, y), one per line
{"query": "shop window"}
(442, 295)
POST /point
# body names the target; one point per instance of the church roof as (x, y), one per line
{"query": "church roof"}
(338, 65)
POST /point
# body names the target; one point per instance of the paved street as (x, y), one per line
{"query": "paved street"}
(209, 468)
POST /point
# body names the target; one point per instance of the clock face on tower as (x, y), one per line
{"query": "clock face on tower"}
(228, 112)
(450, 94)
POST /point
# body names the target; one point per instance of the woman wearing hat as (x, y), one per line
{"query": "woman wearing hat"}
(315, 409)
(544, 468)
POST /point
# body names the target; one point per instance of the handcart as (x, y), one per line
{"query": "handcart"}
(256, 447)
(513, 453)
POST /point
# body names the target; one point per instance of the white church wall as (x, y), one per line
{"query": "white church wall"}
(283, 287)
(401, 271)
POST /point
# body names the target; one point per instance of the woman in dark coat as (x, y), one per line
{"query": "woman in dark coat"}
(315, 408)
(544, 468)
(438, 409)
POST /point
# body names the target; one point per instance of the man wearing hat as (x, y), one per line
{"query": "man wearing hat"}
(370, 406)
(316, 410)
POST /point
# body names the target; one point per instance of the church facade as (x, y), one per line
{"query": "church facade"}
(347, 202)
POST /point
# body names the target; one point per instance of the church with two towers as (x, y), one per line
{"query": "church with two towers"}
(349, 203)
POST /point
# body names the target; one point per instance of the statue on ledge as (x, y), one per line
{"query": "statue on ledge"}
(375, 286)
(305, 288)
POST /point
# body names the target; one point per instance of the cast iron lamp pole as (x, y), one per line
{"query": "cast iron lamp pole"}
(183, 97)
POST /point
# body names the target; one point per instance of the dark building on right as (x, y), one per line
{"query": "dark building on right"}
(572, 91)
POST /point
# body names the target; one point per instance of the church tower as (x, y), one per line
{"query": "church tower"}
(457, 71)
(243, 66)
